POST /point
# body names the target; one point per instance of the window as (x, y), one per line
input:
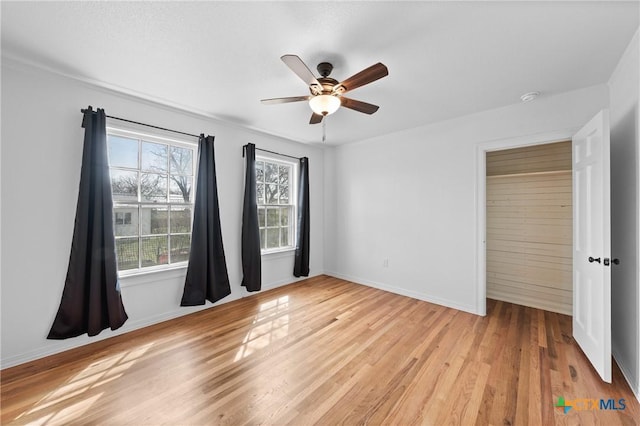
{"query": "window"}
(276, 205)
(152, 183)
(123, 218)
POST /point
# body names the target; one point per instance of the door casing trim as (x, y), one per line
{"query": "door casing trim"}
(481, 197)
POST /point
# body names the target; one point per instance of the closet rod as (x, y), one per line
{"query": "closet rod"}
(147, 125)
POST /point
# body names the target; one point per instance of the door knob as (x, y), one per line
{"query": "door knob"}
(591, 259)
(616, 261)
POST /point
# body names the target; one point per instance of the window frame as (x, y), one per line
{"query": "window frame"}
(293, 203)
(125, 218)
(140, 204)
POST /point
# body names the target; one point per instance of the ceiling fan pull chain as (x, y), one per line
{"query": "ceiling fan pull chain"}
(324, 130)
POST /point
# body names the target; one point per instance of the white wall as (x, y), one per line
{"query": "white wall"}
(410, 197)
(624, 90)
(41, 154)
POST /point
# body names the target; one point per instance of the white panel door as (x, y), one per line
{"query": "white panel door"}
(592, 243)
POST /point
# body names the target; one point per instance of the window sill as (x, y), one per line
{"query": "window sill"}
(278, 253)
(128, 279)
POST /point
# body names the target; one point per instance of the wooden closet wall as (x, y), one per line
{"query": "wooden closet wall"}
(530, 226)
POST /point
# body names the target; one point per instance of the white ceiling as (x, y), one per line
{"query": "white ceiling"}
(445, 59)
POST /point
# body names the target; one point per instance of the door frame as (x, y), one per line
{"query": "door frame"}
(481, 197)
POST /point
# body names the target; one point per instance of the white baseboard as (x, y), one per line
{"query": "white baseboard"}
(291, 280)
(633, 384)
(404, 292)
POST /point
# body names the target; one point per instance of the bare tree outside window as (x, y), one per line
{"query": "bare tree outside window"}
(176, 162)
(152, 182)
(274, 203)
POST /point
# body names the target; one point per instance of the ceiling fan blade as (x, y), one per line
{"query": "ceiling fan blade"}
(273, 101)
(302, 71)
(366, 76)
(316, 118)
(358, 105)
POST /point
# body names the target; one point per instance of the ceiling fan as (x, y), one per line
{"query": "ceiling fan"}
(326, 92)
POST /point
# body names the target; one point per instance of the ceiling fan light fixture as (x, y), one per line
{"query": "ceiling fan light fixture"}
(324, 104)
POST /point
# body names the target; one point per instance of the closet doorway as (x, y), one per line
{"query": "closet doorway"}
(529, 226)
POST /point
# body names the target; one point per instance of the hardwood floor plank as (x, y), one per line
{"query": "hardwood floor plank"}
(471, 408)
(323, 351)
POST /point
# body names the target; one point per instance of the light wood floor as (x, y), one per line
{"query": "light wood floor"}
(323, 351)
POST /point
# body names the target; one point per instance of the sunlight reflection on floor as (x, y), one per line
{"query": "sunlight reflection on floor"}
(55, 408)
(68, 413)
(268, 326)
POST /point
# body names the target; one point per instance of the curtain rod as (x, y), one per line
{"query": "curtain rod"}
(148, 125)
(271, 152)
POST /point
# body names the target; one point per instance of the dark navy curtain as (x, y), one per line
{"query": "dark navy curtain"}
(91, 299)
(251, 258)
(301, 262)
(207, 277)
